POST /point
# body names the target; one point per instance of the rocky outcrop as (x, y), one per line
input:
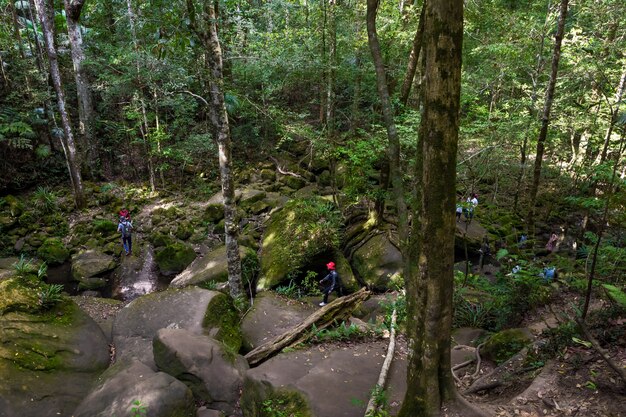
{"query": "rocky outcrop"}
(48, 361)
(213, 374)
(213, 267)
(320, 382)
(88, 268)
(174, 257)
(378, 263)
(53, 252)
(194, 309)
(132, 384)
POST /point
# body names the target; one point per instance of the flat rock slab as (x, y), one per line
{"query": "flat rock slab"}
(136, 325)
(272, 315)
(336, 380)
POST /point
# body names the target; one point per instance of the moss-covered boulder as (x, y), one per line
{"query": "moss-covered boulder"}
(183, 230)
(88, 268)
(292, 182)
(174, 258)
(503, 345)
(249, 196)
(268, 175)
(48, 360)
(104, 227)
(379, 263)
(197, 310)
(212, 267)
(295, 234)
(14, 205)
(53, 251)
(213, 213)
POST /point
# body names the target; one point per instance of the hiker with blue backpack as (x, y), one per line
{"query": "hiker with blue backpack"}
(125, 227)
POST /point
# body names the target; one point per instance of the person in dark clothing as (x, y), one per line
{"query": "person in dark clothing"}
(334, 283)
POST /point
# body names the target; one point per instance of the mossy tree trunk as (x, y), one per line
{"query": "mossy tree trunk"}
(67, 141)
(430, 286)
(206, 30)
(545, 118)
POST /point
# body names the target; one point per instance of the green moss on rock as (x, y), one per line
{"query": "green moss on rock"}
(174, 258)
(53, 252)
(213, 213)
(303, 229)
(503, 345)
(221, 313)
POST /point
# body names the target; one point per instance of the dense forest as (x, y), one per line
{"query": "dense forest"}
(253, 148)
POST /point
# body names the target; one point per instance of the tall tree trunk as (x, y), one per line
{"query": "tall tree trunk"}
(429, 290)
(86, 113)
(67, 141)
(393, 155)
(405, 90)
(207, 32)
(146, 129)
(545, 118)
(614, 113)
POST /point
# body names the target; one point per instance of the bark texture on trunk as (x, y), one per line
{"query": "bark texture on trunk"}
(207, 32)
(545, 118)
(67, 141)
(393, 154)
(83, 89)
(429, 292)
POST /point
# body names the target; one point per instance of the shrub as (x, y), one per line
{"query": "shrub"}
(50, 295)
(45, 200)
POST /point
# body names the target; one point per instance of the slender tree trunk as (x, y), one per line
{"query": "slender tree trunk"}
(207, 32)
(146, 129)
(67, 141)
(86, 112)
(614, 113)
(603, 222)
(405, 90)
(393, 155)
(545, 119)
(429, 379)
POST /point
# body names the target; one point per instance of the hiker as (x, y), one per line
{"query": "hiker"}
(334, 283)
(549, 273)
(522, 242)
(551, 245)
(459, 209)
(125, 227)
(125, 213)
(472, 202)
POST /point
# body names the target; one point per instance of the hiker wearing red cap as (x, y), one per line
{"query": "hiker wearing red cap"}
(335, 283)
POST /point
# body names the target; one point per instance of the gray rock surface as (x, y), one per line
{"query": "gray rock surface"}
(87, 265)
(270, 316)
(211, 267)
(136, 325)
(214, 375)
(127, 382)
(333, 380)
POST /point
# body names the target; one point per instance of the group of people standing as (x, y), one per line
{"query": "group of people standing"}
(466, 208)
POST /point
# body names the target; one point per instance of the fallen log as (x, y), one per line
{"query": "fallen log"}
(603, 353)
(338, 310)
(372, 405)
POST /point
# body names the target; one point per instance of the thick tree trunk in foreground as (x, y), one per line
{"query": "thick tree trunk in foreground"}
(393, 154)
(545, 119)
(86, 113)
(67, 141)
(206, 30)
(429, 288)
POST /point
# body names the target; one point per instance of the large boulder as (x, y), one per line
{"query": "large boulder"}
(194, 309)
(212, 267)
(53, 251)
(503, 345)
(330, 381)
(129, 384)
(270, 316)
(174, 258)
(48, 360)
(89, 266)
(378, 263)
(302, 230)
(214, 374)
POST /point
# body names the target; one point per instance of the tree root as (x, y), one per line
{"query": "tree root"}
(603, 353)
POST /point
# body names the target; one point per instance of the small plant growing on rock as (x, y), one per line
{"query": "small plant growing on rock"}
(138, 409)
(50, 295)
(23, 267)
(45, 200)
